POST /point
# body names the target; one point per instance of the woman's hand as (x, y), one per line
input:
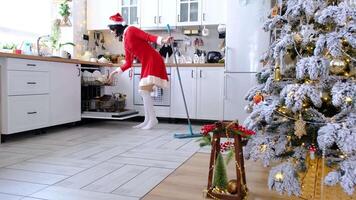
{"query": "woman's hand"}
(111, 77)
(167, 40)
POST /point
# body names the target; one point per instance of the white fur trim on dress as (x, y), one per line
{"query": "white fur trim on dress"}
(119, 70)
(159, 40)
(153, 80)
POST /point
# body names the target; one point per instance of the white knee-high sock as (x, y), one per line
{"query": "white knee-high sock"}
(148, 104)
(144, 123)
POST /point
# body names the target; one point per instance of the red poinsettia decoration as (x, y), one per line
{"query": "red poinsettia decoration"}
(206, 129)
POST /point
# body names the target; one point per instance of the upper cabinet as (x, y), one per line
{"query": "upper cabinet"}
(201, 12)
(98, 13)
(130, 10)
(158, 13)
(189, 12)
(213, 12)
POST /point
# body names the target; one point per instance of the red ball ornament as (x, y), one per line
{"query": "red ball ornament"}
(258, 98)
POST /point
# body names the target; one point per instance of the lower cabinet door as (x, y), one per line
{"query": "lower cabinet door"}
(65, 93)
(27, 112)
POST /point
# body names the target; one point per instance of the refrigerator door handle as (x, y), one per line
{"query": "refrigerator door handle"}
(226, 56)
(225, 86)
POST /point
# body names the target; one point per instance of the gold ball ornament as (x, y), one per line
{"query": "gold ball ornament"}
(325, 96)
(279, 177)
(232, 186)
(348, 100)
(338, 66)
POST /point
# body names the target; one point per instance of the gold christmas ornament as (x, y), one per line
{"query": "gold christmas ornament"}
(344, 42)
(299, 127)
(338, 66)
(306, 104)
(263, 148)
(348, 100)
(279, 177)
(325, 96)
(232, 186)
(277, 73)
(284, 110)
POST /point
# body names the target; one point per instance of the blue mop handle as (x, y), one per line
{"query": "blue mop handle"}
(181, 86)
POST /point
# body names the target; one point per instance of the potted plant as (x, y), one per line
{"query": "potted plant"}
(8, 48)
(64, 11)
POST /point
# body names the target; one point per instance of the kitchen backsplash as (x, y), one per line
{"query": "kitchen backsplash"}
(187, 48)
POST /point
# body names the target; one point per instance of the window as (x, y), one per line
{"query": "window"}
(24, 20)
(129, 11)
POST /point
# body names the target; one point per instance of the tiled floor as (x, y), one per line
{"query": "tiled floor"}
(99, 161)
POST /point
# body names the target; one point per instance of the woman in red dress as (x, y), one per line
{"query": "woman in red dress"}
(153, 71)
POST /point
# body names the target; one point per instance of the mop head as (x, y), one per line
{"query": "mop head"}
(187, 135)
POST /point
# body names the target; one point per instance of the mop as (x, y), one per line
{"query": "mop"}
(190, 134)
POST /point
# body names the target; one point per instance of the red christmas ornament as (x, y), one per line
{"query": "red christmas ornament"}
(258, 98)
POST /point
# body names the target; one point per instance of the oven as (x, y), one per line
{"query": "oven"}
(160, 96)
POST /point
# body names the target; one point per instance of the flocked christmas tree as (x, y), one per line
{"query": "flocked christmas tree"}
(308, 92)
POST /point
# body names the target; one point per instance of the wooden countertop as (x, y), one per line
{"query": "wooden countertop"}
(76, 61)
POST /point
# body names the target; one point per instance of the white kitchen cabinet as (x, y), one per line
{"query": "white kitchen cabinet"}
(188, 76)
(37, 94)
(65, 93)
(189, 12)
(213, 12)
(149, 14)
(235, 88)
(98, 13)
(27, 112)
(130, 10)
(157, 14)
(167, 13)
(203, 89)
(210, 93)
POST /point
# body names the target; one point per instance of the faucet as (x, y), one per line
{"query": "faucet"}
(38, 44)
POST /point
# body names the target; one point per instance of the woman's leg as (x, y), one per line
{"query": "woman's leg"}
(150, 115)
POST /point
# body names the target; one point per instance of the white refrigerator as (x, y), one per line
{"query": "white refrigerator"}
(245, 43)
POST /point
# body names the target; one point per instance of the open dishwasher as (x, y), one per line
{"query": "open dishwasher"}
(96, 102)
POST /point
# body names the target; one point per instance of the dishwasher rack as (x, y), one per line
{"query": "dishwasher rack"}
(97, 105)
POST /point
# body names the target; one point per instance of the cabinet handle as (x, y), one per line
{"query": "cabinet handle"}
(192, 74)
(78, 71)
(178, 18)
(200, 73)
(204, 16)
(31, 83)
(155, 20)
(31, 65)
(160, 19)
(31, 113)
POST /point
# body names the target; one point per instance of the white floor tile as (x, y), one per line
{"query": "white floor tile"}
(47, 168)
(115, 179)
(9, 197)
(145, 162)
(89, 176)
(61, 193)
(144, 182)
(19, 188)
(64, 161)
(32, 177)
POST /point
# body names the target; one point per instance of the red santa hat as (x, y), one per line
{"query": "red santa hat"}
(118, 19)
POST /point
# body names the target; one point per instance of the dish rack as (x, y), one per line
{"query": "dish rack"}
(96, 104)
